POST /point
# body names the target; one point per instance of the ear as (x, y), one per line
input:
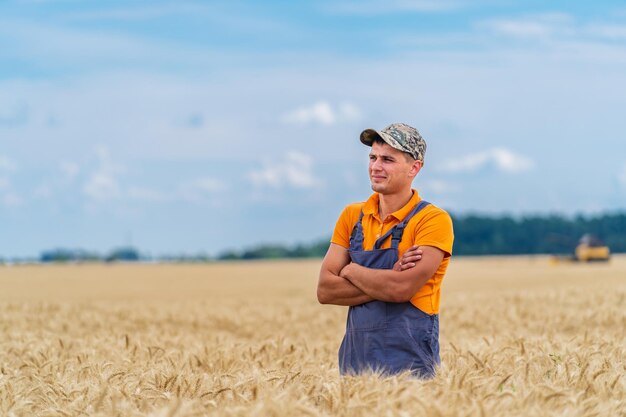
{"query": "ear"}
(415, 168)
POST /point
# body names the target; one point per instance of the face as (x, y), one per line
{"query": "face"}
(390, 170)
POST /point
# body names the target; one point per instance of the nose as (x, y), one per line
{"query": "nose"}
(375, 164)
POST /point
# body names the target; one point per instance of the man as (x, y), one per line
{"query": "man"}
(393, 323)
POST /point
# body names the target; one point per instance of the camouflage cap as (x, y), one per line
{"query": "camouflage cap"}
(399, 136)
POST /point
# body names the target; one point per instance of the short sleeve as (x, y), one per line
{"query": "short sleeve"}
(435, 229)
(344, 225)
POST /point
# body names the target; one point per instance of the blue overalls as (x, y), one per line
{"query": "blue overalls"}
(387, 337)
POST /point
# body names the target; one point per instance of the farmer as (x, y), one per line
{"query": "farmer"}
(393, 322)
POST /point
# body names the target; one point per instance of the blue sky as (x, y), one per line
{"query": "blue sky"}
(194, 127)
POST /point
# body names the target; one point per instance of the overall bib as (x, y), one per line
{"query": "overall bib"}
(386, 337)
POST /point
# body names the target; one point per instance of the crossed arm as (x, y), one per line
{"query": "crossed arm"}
(343, 282)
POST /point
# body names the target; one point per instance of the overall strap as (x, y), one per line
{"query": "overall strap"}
(397, 231)
(356, 238)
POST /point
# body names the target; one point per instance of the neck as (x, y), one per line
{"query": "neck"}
(388, 203)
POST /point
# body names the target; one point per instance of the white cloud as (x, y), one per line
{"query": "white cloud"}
(199, 189)
(56, 184)
(12, 200)
(106, 163)
(43, 191)
(437, 186)
(555, 26)
(323, 113)
(208, 185)
(102, 184)
(537, 26)
(4, 183)
(375, 7)
(502, 159)
(320, 112)
(349, 112)
(211, 13)
(69, 169)
(608, 31)
(295, 170)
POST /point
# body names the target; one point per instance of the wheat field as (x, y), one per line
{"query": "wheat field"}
(519, 337)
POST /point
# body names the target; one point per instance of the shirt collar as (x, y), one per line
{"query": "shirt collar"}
(371, 206)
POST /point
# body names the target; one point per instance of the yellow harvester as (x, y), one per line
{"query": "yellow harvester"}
(591, 249)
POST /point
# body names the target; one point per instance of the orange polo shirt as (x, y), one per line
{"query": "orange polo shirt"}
(432, 226)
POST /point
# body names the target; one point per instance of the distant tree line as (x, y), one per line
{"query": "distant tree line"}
(125, 254)
(474, 235)
(489, 235)
(506, 235)
(313, 250)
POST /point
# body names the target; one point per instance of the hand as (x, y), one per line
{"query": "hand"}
(345, 271)
(409, 259)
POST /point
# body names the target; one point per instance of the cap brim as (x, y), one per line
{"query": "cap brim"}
(368, 136)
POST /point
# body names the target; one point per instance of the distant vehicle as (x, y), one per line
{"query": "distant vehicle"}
(591, 249)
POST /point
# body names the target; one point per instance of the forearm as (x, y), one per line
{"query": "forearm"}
(334, 289)
(393, 285)
(385, 284)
